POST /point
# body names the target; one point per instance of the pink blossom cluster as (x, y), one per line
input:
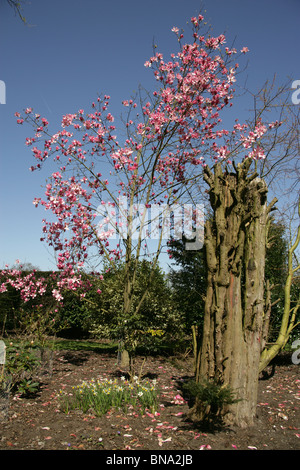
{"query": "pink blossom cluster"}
(73, 231)
(174, 131)
(196, 85)
(32, 286)
(27, 284)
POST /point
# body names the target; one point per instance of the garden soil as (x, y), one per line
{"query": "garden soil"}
(38, 422)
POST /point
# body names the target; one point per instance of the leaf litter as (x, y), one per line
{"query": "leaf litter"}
(39, 423)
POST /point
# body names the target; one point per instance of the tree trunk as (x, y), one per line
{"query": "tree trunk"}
(123, 356)
(235, 241)
(124, 353)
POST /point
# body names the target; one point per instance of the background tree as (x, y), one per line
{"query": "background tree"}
(188, 281)
(290, 315)
(275, 273)
(158, 316)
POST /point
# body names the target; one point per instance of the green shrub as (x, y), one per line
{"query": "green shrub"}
(27, 387)
(210, 399)
(20, 368)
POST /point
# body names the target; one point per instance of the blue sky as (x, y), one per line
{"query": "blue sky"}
(74, 49)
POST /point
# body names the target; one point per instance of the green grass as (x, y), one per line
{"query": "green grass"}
(72, 345)
(159, 347)
(85, 345)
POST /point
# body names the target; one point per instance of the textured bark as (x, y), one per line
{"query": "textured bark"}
(235, 241)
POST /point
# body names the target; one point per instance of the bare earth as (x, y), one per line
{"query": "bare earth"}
(37, 423)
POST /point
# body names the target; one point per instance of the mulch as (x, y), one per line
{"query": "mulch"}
(38, 423)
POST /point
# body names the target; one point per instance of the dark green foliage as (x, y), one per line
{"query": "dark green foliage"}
(27, 387)
(13, 310)
(10, 304)
(156, 316)
(276, 255)
(295, 295)
(276, 273)
(188, 282)
(211, 399)
(99, 313)
(20, 368)
(74, 317)
(20, 358)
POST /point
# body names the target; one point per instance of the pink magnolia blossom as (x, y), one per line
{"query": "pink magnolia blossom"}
(176, 130)
(57, 295)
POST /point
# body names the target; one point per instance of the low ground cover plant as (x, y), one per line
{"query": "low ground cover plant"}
(100, 396)
(20, 370)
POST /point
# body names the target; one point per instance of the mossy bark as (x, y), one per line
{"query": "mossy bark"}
(235, 240)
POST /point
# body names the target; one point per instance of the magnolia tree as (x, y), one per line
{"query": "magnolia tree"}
(174, 139)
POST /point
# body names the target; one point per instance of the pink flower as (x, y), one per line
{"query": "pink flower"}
(244, 50)
(275, 124)
(36, 201)
(68, 119)
(110, 117)
(3, 288)
(178, 400)
(56, 294)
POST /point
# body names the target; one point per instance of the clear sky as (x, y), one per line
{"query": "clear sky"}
(71, 50)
